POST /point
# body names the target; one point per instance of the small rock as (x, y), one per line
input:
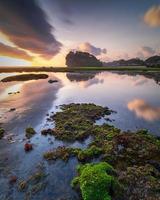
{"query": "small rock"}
(12, 109)
(28, 147)
(52, 81)
(13, 179)
(47, 131)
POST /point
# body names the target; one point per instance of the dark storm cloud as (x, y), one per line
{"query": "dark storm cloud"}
(25, 24)
(62, 9)
(66, 11)
(14, 52)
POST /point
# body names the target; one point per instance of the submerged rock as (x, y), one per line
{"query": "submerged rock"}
(13, 179)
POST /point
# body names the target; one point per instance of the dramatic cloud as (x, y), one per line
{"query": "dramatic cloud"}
(25, 24)
(146, 52)
(144, 110)
(66, 11)
(14, 52)
(87, 47)
(152, 16)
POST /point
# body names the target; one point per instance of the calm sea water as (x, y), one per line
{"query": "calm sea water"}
(135, 97)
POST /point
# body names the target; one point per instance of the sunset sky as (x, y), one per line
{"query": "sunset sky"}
(42, 32)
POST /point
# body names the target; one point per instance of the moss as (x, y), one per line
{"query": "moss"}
(78, 127)
(128, 152)
(30, 132)
(89, 153)
(96, 181)
(2, 131)
(61, 152)
(65, 153)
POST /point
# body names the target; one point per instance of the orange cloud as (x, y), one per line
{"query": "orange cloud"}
(152, 16)
(14, 52)
(25, 24)
(144, 110)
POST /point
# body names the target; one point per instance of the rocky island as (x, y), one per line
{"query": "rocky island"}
(82, 59)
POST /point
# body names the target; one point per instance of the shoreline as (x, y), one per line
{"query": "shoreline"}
(77, 69)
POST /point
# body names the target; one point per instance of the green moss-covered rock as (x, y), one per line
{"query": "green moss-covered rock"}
(75, 122)
(89, 153)
(2, 131)
(65, 153)
(30, 132)
(96, 181)
(134, 155)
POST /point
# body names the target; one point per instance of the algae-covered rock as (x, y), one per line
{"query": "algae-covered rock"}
(30, 132)
(141, 182)
(75, 121)
(133, 155)
(65, 153)
(96, 181)
(61, 152)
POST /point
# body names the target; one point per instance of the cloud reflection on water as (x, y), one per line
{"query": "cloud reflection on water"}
(144, 110)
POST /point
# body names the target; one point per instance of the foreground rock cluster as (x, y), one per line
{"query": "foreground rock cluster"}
(127, 164)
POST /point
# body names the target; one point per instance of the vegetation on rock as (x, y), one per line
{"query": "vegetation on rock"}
(30, 132)
(76, 121)
(65, 153)
(134, 155)
(96, 181)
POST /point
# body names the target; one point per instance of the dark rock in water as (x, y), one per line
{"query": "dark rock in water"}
(28, 147)
(12, 109)
(9, 93)
(82, 59)
(13, 179)
(25, 77)
(2, 131)
(52, 81)
(47, 131)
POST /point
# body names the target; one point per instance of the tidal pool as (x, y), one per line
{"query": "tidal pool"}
(135, 97)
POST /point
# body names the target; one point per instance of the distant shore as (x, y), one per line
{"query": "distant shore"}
(77, 69)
